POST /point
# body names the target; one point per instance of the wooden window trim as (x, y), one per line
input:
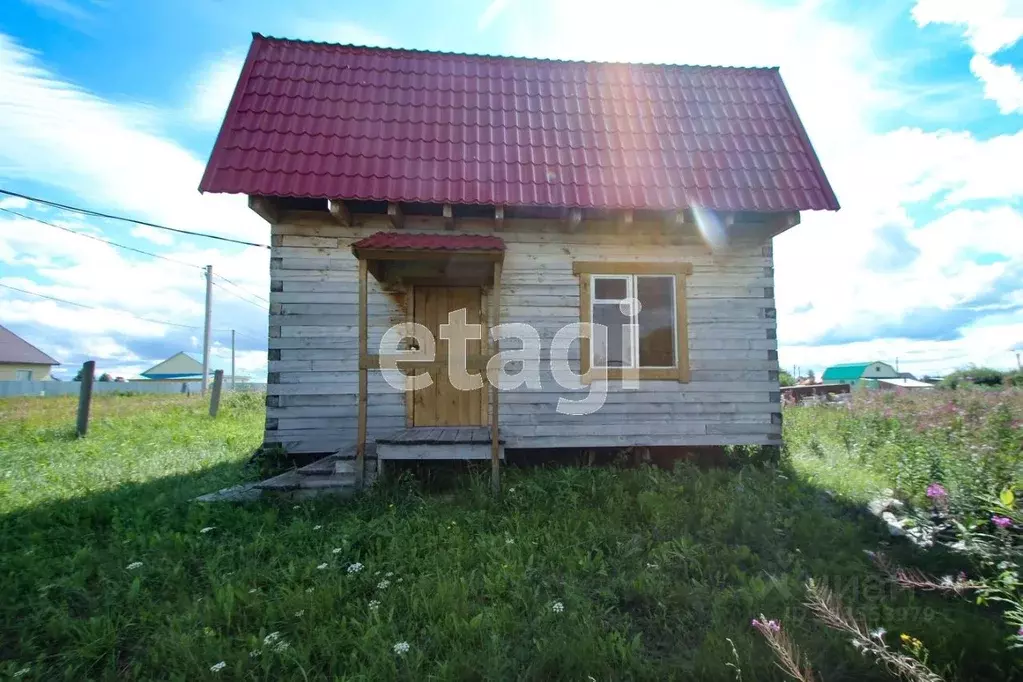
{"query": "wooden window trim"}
(583, 269)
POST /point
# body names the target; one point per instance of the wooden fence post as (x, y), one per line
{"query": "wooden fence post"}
(218, 384)
(85, 397)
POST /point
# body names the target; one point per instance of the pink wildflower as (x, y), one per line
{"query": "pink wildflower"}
(772, 625)
(1001, 521)
(936, 490)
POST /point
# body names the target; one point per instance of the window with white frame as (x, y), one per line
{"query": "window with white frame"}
(640, 308)
(23, 375)
(639, 313)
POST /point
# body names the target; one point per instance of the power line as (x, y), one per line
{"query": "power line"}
(124, 312)
(241, 288)
(90, 307)
(239, 297)
(136, 250)
(100, 239)
(110, 216)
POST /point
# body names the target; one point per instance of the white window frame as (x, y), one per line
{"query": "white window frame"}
(631, 288)
(19, 375)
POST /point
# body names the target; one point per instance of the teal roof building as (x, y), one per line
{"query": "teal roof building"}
(858, 372)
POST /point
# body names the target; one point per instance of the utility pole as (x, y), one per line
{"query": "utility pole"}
(206, 329)
(232, 359)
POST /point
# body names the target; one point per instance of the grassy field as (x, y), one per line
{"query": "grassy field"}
(109, 571)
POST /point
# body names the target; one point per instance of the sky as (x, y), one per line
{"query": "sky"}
(915, 108)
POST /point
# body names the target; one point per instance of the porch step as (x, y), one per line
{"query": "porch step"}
(437, 443)
(334, 474)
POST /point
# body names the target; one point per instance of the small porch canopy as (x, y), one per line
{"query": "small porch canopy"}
(430, 259)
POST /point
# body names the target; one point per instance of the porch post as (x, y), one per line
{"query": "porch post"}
(495, 445)
(360, 445)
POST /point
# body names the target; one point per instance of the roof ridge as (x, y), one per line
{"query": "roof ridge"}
(506, 58)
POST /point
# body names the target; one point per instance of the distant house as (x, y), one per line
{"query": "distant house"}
(858, 373)
(21, 361)
(182, 367)
(901, 382)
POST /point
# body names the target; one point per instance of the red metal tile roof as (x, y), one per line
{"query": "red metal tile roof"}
(335, 121)
(429, 242)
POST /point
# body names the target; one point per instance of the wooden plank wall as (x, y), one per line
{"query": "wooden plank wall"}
(733, 397)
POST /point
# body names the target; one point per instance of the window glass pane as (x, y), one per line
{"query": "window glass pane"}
(656, 321)
(610, 288)
(612, 350)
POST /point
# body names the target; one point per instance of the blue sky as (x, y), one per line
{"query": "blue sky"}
(915, 108)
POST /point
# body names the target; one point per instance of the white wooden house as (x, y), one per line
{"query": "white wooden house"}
(402, 185)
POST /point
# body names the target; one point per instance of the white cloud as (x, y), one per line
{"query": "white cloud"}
(121, 163)
(14, 203)
(339, 32)
(118, 289)
(1002, 83)
(989, 346)
(214, 89)
(161, 237)
(988, 26)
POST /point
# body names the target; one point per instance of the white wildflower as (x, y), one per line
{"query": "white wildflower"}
(355, 568)
(296, 507)
(337, 550)
(317, 527)
(401, 648)
(22, 672)
(217, 667)
(299, 613)
(388, 574)
(308, 590)
(374, 605)
(253, 590)
(275, 642)
(255, 653)
(400, 579)
(509, 541)
(878, 633)
(557, 607)
(207, 529)
(321, 566)
(654, 566)
(383, 584)
(133, 565)
(511, 490)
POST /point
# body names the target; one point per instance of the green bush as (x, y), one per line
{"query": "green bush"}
(979, 376)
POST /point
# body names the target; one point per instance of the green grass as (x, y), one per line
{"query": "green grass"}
(655, 570)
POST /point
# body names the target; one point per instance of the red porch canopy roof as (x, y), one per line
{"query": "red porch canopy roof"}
(404, 241)
(315, 120)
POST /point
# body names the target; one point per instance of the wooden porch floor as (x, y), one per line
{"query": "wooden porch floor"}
(439, 435)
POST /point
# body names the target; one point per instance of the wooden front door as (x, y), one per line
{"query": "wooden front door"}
(441, 404)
